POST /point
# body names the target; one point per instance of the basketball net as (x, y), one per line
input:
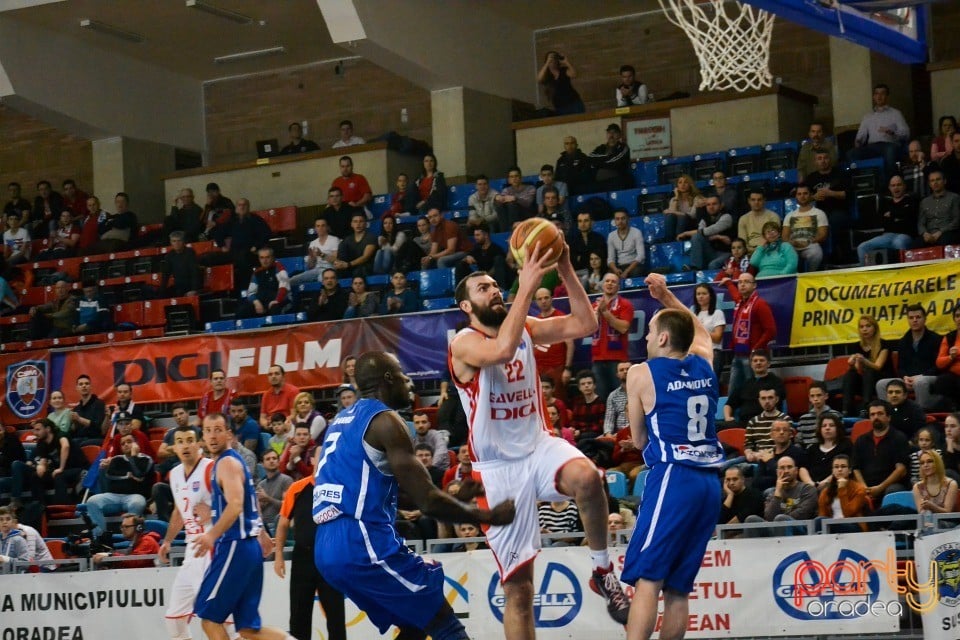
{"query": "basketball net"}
(733, 50)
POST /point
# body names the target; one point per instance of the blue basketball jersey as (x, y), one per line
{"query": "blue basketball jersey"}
(348, 481)
(247, 524)
(681, 425)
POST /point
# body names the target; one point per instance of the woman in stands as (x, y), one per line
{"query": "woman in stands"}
(555, 75)
(926, 441)
(304, 414)
(951, 447)
(869, 363)
(713, 320)
(832, 441)
(390, 243)
(361, 303)
(941, 146)
(59, 414)
(774, 257)
(682, 211)
(843, 497)
(432, 186)
(935, 493)
(593, 279)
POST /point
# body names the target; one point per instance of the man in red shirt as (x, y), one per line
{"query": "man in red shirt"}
(753, 327)
(74, 199)
(217, 399)
(448, 244)
(142, 543)
(614, 314)
(553, 360)
(355, 188)
(278, 398)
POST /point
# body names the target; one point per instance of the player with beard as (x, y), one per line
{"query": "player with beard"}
(492, 364)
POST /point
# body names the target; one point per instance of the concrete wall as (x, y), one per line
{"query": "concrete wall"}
(945, 89)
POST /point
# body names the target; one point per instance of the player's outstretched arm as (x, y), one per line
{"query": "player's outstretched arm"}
(389, 433)
(702, 342)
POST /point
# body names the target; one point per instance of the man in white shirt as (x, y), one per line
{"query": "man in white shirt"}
(321, 254)
(16, 241)
(882, 133)
(625, 251)
(483, 207)
(806, 229)
(347, 139)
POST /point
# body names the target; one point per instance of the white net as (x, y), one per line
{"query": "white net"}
(733, 48)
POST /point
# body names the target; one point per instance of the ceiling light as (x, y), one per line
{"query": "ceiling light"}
(226, 14)
(110, 30)
(249, 55)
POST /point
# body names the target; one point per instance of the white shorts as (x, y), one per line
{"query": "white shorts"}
(525, 481)
(183, 593)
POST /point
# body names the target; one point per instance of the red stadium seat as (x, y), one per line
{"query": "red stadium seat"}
(219, 279)
(919, 255)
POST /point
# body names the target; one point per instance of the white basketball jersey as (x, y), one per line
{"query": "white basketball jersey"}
(504, 406)
(188, 492)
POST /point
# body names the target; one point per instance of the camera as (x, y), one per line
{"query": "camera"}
(84, 545)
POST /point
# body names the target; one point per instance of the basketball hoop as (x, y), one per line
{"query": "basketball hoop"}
(734, 50)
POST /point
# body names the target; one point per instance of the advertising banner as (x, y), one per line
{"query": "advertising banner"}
(938, 571)
(648, 138)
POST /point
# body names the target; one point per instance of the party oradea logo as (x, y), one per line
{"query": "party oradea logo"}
(27, 388)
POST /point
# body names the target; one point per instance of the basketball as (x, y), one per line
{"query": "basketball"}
(536, 231)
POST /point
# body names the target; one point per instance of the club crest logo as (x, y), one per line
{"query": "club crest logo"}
(27, 388)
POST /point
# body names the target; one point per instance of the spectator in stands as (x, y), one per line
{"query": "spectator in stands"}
(93, 314)
(843, 497)
(216, 212)
(185, 216)
(272, 487)
(268, 293)
(898, 211)
(462, 471)
(390, 244)
(432, 186)
(404, 200)
(746, 402)
(626, 256)
(611, 163)
(16, 242)
(712, 319)
(90, 414)
(935, 492)
(558, 424)
(59, 414)
(339, 214)
(916, 170)
(57, 318)
(553, 360)
(757, 438)
(588, 409)
(355, 188)
(740, 500)
(46, 209)
(13, 544)
(831, 441)
(720, 187)
(119, 229)
(126, 482)
(869, 363)
(346, 396)
(939, 219)
(917, 358)
(584, 241)
(573, 167)
(304, 413)
(773, 257)
(750, 226)
(180, 264)
(558, 517)
(282, 434)
(361, 303)
(448, 244)
(297, 142)
(483, 206)
(9, 303)
(517, 201)
(615, 417)
(332, 301)
(626, 457)
(424, 434)
(630, 91)
(277, 399)
(126, 404)
(141, 543)
(243, 424)
(357, 250)
(951, 447)
(737, 263)
(11, 450)
(16, 203)
(817, 395)
(90, 226)
(63, 239)
(682, 211)
(950, 165)
(547, 181)
(790, 500)
(217, 398)
(485, 256)
(830, 184)
(816, 142)
(806, 229)
(239, 240)
(321, 254)
(710, 241)
(424, 454)
(56, 463)
(593, 280)
(610, 344)
(553, 211)
(781, 437)
(947, 383)
(942, 145)
(167, 457)
(926, 440)
(555, 76)
(881, 458)
(347, 139)
(399, 298)
(906, 416)
(753, 327)
(882, 132)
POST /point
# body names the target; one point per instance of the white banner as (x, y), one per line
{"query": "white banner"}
(803, 585)
(939, 599)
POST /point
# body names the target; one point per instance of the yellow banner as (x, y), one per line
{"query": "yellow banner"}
(828, 306)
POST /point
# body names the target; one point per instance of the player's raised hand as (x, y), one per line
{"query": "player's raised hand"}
(657, 285)
(501, 514)
(537, 263)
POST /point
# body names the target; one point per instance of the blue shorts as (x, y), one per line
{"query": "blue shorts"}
(677, 517)
(232, 584)
(370, 565)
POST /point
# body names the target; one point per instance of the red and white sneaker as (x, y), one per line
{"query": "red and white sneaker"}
(606, 584)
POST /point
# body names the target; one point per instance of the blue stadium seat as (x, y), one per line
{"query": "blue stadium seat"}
(705, 164)
(902, 498)
(707, 275)
(310, 287)
(632, 283)
(653, 228)
(721, 403)
(264, 441)
(459, 215)
(460, 195)
(414, 278)
(603, 227)
(626, 199)
(645, 173)
(617, 484)
(777, 207)
(666, 257)
(220, 325)
(789, 206)
(654, 199)
(682, 277)
(374, 227)
(379, 205)
(345, 283)
(436, 283)
(501, 239)
(577, 201)
(639, 483)
(780, 156)
(742, 160)
(378, 280)
(293, 265)
(672, 168)
(788, 178)
(437, 304)
(156, 526)
(497, 184)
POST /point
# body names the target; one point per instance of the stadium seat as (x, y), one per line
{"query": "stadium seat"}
(632, 283)
(743, 160)
(780, 156)
(218, 279)
(672, 168)
(654, 228)
(91, 451)
(219, 326)
(901, 498)
(777, 207)
(654, 199)
(501, 239)
(460, 195)
(626, 199)
(281, 220)
(920, 255)
(438, 304)
(721, 403)
(379, 205)
(734, 437)
(645, 173)
(951, 251)
(129, 312)
(617, 484)
(666, 257)
(797, 388)
(705, 164)
(436, 283)
(639, 483)
(683, 277)
(860, 427)
(707, 275)
(603, 227)
(294, 264)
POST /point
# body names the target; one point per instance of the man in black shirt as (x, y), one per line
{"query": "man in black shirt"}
(180, 263)
(611, 161)
(17, 204)
(747, 399)
(898, 215)
(829, 186)
(332, 302)
(485, 256)
(917, 354)
(186, 216)
(238, 241)
(583, 241)
(739, 500)
(881, 458)
(906, 416)
(573, 167)
(338, 213)
(56, 463)
(89, 414)
(297, 142)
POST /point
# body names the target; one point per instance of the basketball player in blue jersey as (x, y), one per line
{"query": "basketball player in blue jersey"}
(234, 580)
(671, 403)
(366, 453)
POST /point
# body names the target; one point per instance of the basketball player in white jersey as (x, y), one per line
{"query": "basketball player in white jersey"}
(190, 486)
(513, 452)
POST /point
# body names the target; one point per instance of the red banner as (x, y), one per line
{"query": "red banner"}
(28, 386)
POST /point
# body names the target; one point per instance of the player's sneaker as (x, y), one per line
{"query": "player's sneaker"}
(606, 584)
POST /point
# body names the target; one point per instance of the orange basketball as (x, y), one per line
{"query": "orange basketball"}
(536, 231)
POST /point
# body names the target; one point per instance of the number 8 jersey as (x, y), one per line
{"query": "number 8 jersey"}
(681, 426)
